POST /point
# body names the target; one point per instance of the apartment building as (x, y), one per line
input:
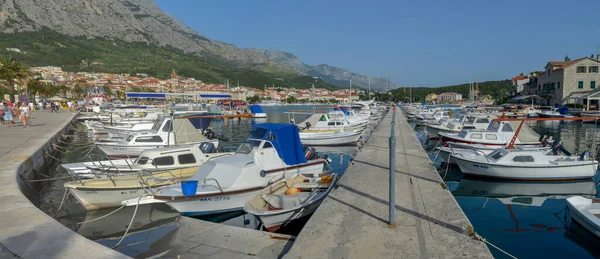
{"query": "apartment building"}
(561, 79)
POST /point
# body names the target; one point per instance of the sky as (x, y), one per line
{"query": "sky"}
(414, 43)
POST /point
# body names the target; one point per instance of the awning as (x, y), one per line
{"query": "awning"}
(215, 96)
(524, 97)
(583, 95)
(146, 95)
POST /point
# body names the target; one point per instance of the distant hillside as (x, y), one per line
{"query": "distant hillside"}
(46, 47)
(334, 75)
(497, 89)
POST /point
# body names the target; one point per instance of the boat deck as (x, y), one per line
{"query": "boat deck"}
(352, 221)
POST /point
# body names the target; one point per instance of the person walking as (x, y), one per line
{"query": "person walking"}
(8, 115)
(24, 114)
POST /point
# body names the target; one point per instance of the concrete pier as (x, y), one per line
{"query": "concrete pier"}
(352, 221)
(26, 231)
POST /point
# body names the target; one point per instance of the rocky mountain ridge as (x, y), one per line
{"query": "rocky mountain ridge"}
(143, 21)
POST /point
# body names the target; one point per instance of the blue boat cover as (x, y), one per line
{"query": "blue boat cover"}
(342, 109)
(285, 138)
(256, 109)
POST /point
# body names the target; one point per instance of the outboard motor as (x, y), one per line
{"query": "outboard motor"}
(557, 146)
(544, 140)
(309, 152)
(585, 155)
(308, 125)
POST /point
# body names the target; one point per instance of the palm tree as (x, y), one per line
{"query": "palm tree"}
(11, 70)
(108, 92)
(34, 86)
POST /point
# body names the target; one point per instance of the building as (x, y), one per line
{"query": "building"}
(519, 84)
(560, 80)
(449, 97)
(431, 98)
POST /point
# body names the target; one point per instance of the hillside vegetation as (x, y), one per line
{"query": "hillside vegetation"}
(498, 90)
(46, 47)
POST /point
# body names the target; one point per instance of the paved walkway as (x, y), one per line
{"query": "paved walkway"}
(26, 231)
(352, 221)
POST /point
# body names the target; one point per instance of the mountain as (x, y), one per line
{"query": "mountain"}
(334, 75)
(139, 23)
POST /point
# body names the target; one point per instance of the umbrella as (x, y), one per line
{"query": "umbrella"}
(56, 98)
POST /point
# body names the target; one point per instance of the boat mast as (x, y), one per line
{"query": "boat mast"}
(350, 99)
(369, 87)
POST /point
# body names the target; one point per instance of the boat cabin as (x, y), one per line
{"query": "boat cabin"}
(192, 155)
(497, 133)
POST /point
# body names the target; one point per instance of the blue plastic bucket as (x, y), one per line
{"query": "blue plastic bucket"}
(189, 187)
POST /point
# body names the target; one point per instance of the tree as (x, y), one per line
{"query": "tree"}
(253, 99)
(291, 99)
(567, 58)
(34, 86)
(108, 92)
(521, 74)
(11, 71)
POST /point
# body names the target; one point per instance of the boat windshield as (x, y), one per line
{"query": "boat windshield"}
(129, 137)
(248, 145)
(497, 154)
(157, 124)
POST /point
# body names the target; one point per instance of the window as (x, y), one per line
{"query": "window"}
(484, 120)
(168, 127)
(323, 118)
(149, 139)
(580, 85)
(581, 69)
(592, 84)
(267, 145)
(331, 123)
(593, 69)
(557, 85)
(523, 159)
(476, 136)
(507, 128)
(129, 138)
(497, 154)
(552, 86)
(165, 160)
(186, 159)
(491, 137)
(271, 136)
(142, 160)
(549, 71)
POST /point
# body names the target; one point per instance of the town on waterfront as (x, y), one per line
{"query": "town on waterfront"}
(298, 129)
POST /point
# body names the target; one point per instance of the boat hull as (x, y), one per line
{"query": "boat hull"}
(273, 222)
(527, 173)
(330, 139)
(587, 220)
(94, 199)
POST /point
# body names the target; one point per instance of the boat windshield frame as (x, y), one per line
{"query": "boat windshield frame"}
(157, 124)
(251, 144)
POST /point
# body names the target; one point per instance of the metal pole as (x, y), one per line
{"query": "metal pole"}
(392, 197)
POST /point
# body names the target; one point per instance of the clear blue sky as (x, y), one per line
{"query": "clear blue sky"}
(415, 43)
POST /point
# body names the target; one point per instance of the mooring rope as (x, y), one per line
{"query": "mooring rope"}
(49, 179)
(92, 220)
(474, 235)
(130, 222)
(63, 201)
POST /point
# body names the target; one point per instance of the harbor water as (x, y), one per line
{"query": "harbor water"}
(153, 229)
(528, 219)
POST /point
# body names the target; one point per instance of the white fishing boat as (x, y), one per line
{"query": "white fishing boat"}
(326, 123)
(464, 122)
(498, 133)
(293, 198)
(108, 192)
(471, 150)
(586, 212)
(165, 132)
(433, 119)
(165, 158)
(554, 113)
(329, 138)
(519, 164)
(270, 153)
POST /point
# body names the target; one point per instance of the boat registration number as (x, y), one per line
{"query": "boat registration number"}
(120, 148)
(215, 199)
(480, 166)
(129, 192)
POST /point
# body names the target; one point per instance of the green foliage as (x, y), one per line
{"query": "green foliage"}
(11, 71)
(46, 47)
(498, 90)
(253, 99)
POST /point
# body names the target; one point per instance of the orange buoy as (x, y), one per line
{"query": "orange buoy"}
(292, 191)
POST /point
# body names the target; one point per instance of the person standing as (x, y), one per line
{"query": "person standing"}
(8, 115)
(31, 107)
(24, 114)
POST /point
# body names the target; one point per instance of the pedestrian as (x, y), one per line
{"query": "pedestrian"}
(31, 107)
(8, 115)
(70, 106)
(24, 114)
(15, 111)
(57, 106)
(42, 106)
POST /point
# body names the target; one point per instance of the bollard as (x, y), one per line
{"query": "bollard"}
(392, 197)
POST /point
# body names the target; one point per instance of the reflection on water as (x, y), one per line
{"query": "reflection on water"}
(528, 219)
(154, 230)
